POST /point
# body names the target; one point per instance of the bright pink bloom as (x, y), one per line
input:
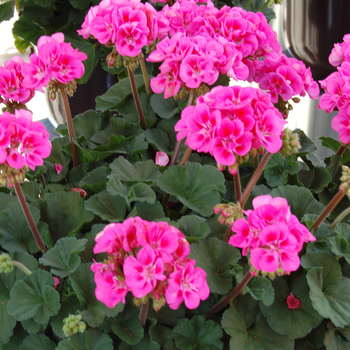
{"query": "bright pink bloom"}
(292, 302)
(162, 158)
(341, 124)
(81, 192)
(58, 168)
(187, 284)
(57, 282)
(142, 274)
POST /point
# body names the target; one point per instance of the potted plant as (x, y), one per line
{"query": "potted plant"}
(181, 213)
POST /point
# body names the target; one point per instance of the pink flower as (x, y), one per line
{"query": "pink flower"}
(81, 192)
(57, 282)
(162, 158)
(187, 284)
(292, 302)
(142, 274)
(58, 168)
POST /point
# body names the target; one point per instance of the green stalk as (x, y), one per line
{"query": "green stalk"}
(261, 9)
(69, 125)
(237, 185)
(22, 267)
(340, 217)
(221, 304)
(186, 156)
(143, 313)
(145, 76)
(341, 149)
(29, 217)
(137, 98)
(328, 209)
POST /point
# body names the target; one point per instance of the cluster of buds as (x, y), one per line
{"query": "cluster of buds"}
(291, 143)
(6, 265)
(73, 324)
(9, 175)
(345, 181)
(284, 106)
(53, 87)
(229, 213)
(130, 62)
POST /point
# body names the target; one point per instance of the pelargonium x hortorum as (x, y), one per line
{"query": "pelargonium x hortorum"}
(147, 259)
(23, 144)
(271, 235)
(231, 121)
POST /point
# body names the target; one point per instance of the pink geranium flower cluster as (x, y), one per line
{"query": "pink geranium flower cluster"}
(128, 24)
(23, 142)
(272, 235)
(230, 121)
(283, 76)
(147, 259)
(337, 89)
(55, 59)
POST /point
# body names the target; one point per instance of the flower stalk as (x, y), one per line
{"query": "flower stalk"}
(143, 313)
(237, 185)
(137, 98)
(70, 126)
(29, 217)
(22, 267)
(145, 75)
(221, 304)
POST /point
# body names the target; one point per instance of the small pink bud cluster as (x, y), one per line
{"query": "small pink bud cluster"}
(283, 76)
(230, 121)
(272, 235)
(55, 59)
(147, 259)
(23, 143)
(129, 25)
(292, 302)
(337, 89)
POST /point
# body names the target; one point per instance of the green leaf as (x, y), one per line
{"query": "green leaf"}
(91, 339)
(117, 94)
(37, 341)
(6, 10)
(315, 180)
(6, 199)
(329, 291)
(26, 33)
(63, 258)
(260, 288)
(277, 170)
(216, 258)
(44, 3)
(166, 108)
(84, 286)
(146, 343)
(300, 199)
(15, 233)
(330, 143)
(160, 334)
(108, 207)
(64, 213)
(146, 171)
(296, 323)
(34, 297)
(159, 139)
(249, 330)
(337, 338)
(197, 334)
(80, 4)
(7, 322)
(307, 145)
(126, 325)
(149, 212)
(193, 227)
(95, 180)
(196, 186)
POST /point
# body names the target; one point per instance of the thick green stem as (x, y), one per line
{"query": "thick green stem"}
(247, 3)
(70, 126)
(340, 217)
(326, 211)
(145, 76)
(342, 149)
(137, 98)
(237, 185)
(261, 9)
(29, 218)
(22, 267)
(186, 156)
(254, 179)
(143, 313)
(221, 304)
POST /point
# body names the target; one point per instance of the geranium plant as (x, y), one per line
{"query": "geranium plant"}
(182, 213)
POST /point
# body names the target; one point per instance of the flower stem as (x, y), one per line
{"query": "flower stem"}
(137, 98)
(342, 149)
(29, 217)
(237, 185)
(145, 76)
(261, 9)
(340, 217)
(254, 179)
(22, 267)
(247, 3)
(70, 126)
(217, 307)
(143, 313)
(328, 209)
(228, 234)
(186, 156)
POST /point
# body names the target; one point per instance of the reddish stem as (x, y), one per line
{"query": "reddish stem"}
(70, 126)
(29, 217)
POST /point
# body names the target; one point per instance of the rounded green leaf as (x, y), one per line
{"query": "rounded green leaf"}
(37, 341)
(7, 322)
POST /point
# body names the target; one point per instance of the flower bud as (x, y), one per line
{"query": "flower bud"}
(6, 265)
(73, 324)
(111, 59)
(230, 213)
(345, 180)
(290, 143)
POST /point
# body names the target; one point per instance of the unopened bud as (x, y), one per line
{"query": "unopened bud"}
(6, 265)
(158, 304)
(295, 99)
(230, 213)
(52, 95)
(290, 143)
(73, 324)
(111, 59)
(345, 180)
